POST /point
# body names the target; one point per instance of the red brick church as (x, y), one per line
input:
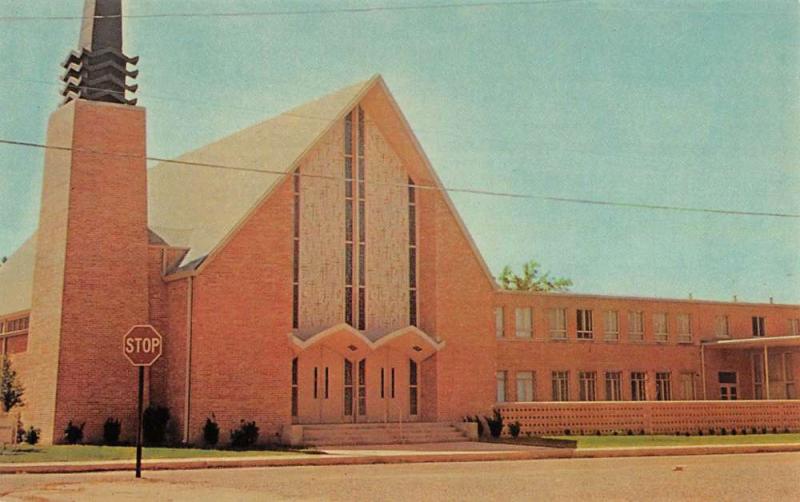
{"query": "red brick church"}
(310, 270)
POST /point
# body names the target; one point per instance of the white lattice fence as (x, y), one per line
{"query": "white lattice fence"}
(652, 417)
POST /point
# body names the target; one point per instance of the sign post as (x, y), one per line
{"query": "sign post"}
(142, 345)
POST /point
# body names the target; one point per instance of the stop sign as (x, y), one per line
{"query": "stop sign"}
(142, 345)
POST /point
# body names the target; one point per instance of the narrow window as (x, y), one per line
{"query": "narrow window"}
(794, 327)
(412, 253)
(348, 387)
(362, 387)
(613, 386)
(758, 326)
(383, 383)
(499, 321)
(413, 388)
(758, 376)
(727, 385)
(392, 387)
(500, 376)
(638, 388)
(636, 326)
(523, 322)
(296, 254)
(525, 381)
(721, 326)
(557, 318)
(611, 325)
(560, 386)
(588, 386)
(687, 386)
(362, 225)
(294, 387)
(349, 182)
(316, 382)
(663, 386)
(584, 324)
(327, 381)
(660, 330)
(684, 328)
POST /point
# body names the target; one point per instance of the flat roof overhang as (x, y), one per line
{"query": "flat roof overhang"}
(754, 343)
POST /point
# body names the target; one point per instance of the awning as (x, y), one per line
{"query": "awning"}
(754, 342)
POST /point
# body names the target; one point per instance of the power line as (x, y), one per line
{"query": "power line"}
(306, 12)
(454, 136)
(473, 191)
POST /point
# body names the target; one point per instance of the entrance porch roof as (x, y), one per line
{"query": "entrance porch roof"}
(755, 342)
(353, 344)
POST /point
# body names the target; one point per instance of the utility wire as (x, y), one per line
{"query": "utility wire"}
(454, 137)
(423, 187)
(306, 12)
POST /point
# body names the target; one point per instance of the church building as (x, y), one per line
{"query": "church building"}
(311, 270)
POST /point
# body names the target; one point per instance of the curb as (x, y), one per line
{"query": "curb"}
(330, 460)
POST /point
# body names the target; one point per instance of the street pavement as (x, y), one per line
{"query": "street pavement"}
(751, 477)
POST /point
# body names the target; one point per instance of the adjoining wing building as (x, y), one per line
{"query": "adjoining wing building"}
(311, 270)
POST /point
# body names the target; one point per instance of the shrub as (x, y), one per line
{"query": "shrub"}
(32, 435)
(630, 432)
(711, 432)
(567, 432)
(495, 424)
(723, 431)
(73, 434)
(245, 436)
(733, 432)
(514, 429)
(597, 433)
(774, 430)
(111, 430)
(154, 424)
(211, 431)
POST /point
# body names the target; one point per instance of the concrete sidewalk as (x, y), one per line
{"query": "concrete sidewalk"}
(395, 454)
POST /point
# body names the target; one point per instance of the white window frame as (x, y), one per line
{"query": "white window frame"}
(557, 319)
(587, 386)
(640, 385)
(636, 325)
(613, 385)
(794, 327)
(525, 385)
(722, 327)
(584, 327)
(523, 322)
(560, 385)
(661, 320)
(663, 386)
(684, 328)
(502, 391)
(760, 325)
(499, 322)
(611, 324)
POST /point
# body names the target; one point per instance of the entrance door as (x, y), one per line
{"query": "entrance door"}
(727, 386)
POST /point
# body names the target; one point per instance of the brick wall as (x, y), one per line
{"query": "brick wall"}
(241, 360)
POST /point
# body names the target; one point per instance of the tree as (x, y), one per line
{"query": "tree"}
(11, 390)
(532, 279)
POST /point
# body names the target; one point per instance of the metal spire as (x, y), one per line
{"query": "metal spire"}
(98, 70)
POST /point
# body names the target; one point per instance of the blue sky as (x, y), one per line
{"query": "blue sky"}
(674, 103)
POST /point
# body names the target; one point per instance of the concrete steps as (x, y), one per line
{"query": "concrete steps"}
(381, 433)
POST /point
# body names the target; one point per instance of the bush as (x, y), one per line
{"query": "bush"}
(73, 434)
(514, 429)
(154, 424)
(211, 431)
(32, 435)
(245, 436)
(495, 424)
(567, 432)
(111, 431)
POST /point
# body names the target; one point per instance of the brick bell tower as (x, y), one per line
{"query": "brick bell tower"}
(90, 277)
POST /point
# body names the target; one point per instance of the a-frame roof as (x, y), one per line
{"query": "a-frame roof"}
(197, 207)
